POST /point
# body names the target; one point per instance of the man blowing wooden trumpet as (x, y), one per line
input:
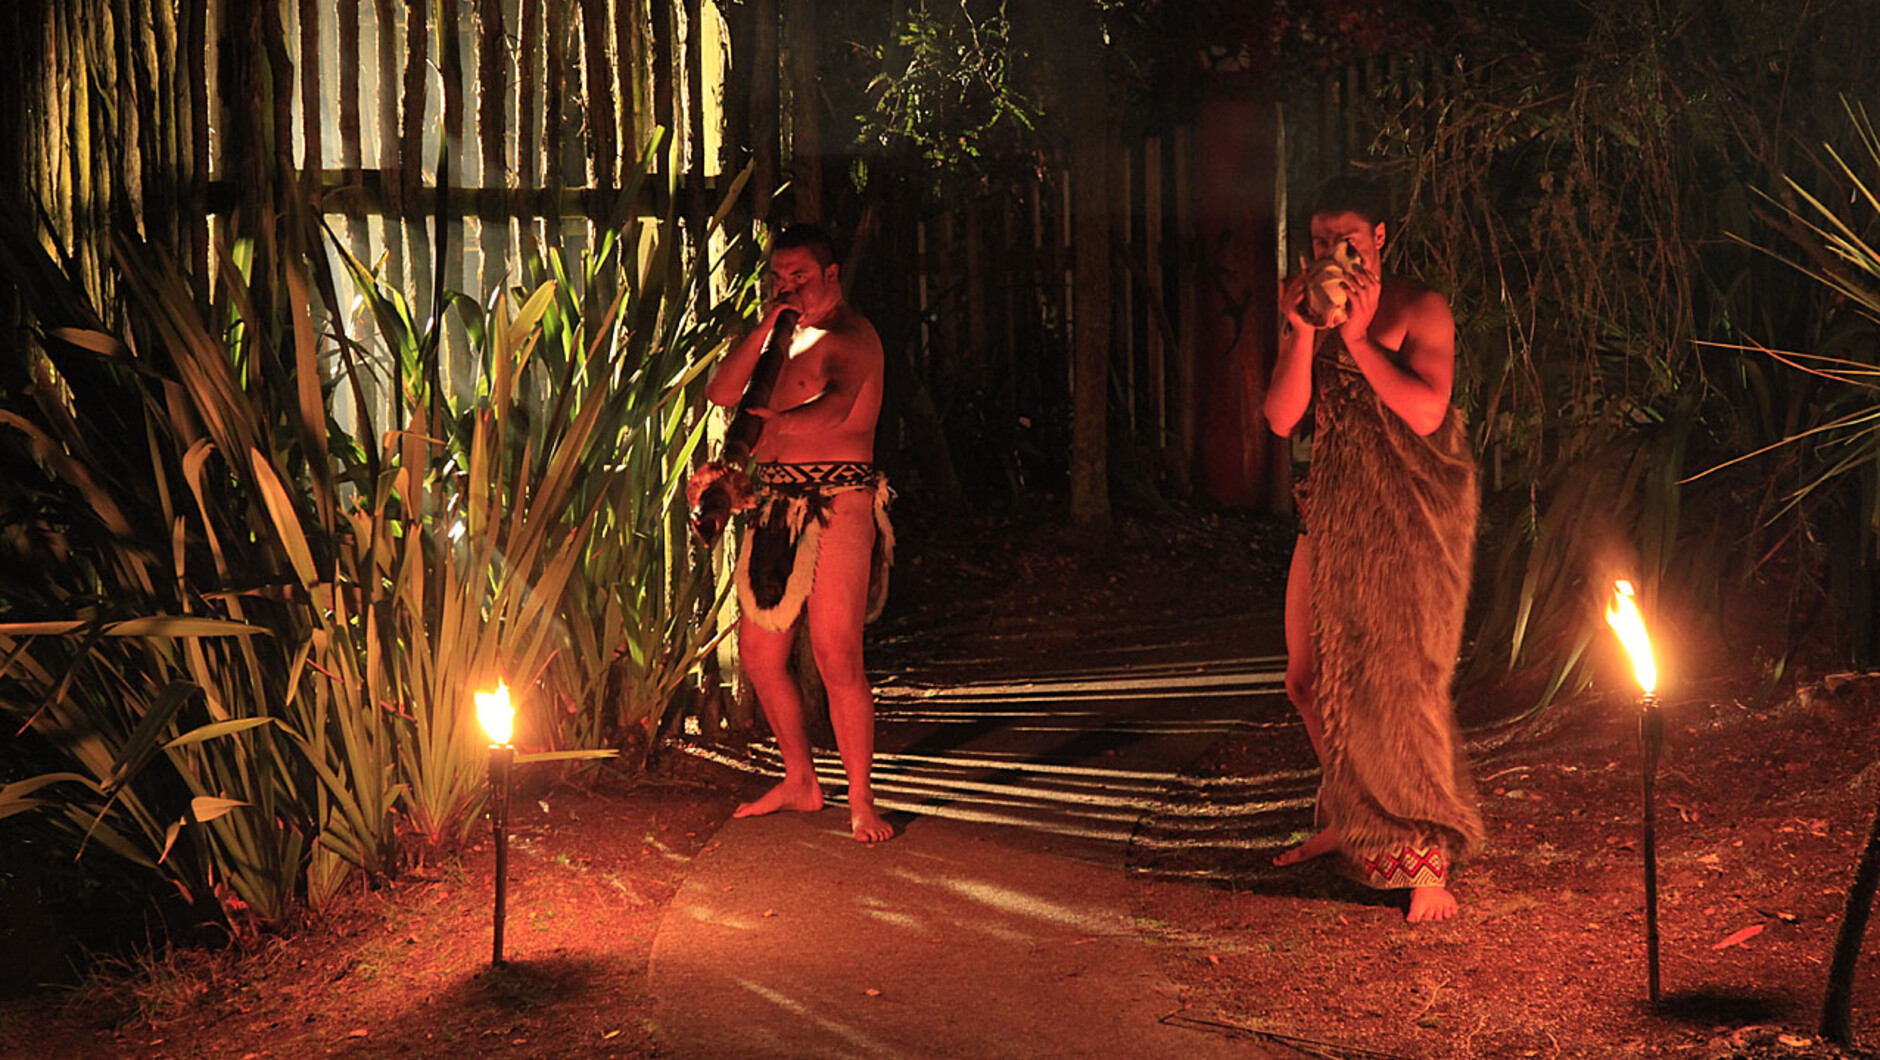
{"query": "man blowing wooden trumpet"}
(816, 534)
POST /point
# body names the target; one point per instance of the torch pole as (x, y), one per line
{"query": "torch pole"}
(1651, 728)
(502, 759)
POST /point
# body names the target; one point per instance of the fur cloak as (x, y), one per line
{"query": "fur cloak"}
(1391, 518)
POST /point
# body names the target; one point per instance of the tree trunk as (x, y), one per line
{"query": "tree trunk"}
(1091, 223)
(1240, 463)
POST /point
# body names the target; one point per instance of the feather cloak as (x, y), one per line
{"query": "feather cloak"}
(1391, 517)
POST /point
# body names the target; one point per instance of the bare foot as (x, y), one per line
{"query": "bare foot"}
(1431, 903)
(869, 827)
(789, 795)
(1318, 846)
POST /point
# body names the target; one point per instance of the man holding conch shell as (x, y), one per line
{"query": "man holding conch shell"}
(1381, 568)
(816, 531)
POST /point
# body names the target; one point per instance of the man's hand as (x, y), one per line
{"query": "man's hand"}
(1292, 295)
(775, 422)
(1362, 306)
(773, 307)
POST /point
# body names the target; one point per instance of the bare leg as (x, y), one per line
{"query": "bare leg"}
(1301, 659)
(765, 656)
(837, 606)
(1301, 671)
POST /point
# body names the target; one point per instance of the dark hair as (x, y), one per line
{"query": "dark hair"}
(1354, 195)
(807, 237)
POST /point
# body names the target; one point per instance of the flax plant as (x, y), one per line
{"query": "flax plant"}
(1839, 254)
(244, 638)
(544, 552)
(147, 642)
(1838, 250)
(643, 600)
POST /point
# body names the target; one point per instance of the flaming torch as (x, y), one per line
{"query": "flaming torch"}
(498, 719)
(1624, 619)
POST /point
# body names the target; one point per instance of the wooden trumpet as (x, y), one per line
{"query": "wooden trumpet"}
(722, 487)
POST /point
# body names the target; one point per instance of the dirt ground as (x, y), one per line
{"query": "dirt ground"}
(405, 970)
(1761, 812)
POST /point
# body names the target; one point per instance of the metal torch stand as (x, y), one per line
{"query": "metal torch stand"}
(502, 761)
(1651, 729)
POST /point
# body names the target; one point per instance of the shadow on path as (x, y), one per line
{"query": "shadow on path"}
(1027, 778)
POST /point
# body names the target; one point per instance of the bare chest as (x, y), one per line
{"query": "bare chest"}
(1391, 325)
(802, 376)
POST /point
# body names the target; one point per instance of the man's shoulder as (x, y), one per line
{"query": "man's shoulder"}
(856, 332)
(1416, 299)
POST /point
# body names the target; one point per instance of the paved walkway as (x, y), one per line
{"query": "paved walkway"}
(998, 924)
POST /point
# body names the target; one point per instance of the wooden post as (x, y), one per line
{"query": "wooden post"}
(492, 131)
(310, 95)
(83, 190)
(765, 101)
(602, 140)
(974, 271)
(279, 159)
(806, 176)
(923, 266)
(492, 114)
(1009, 253)
(449, 237)
(696, 211)
(1123, 342)
(411, 152)
(105, 45)
(629, 61)
(1238, 315)
(942, 249)
(391, 182)
(665, 51)
(1152, 237)
(417, 86)
(166, 157)
(16, 136)
(554, 92)
(133, 104)
(195, 52)
(59, 93)
(351, 72)
(1091, 160)
(531, 54)
(1041, 279)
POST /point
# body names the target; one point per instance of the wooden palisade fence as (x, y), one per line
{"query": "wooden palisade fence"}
(516, 120)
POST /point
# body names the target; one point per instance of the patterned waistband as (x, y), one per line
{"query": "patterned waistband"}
(823, 476)
(1406, 866)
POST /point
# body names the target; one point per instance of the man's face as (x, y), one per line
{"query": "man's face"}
(1331, 229)
(799, 282)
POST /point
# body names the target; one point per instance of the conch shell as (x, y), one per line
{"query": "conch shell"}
(1324, 304)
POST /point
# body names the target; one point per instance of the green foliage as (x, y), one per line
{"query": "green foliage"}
(1836, 434)
(148, 647)
(243, 637)
(1568, 174)
(946, 89)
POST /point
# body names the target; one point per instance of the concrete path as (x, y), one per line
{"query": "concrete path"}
(998, 924)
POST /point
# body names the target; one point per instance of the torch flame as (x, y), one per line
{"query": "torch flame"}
(497, 716)
(1624, 619)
